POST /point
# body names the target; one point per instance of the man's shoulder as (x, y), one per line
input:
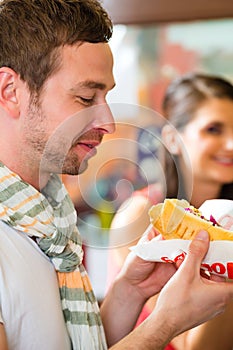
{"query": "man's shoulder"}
(4, 227)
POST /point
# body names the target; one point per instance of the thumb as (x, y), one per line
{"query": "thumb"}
(197, 251)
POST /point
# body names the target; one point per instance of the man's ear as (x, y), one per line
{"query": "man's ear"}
(8, 91)
(171, 139)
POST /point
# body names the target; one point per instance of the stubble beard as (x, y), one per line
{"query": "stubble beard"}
(48, 153)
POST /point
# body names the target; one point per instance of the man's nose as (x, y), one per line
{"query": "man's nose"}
(104, 119)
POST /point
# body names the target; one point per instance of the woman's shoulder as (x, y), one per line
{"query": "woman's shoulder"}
(152, 192)
(137, 206)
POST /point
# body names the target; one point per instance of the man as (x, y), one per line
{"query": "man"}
(55, 73)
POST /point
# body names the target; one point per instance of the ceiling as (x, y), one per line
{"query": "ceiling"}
(158, 11)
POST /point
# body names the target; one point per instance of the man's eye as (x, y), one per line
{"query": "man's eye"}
(86, 101)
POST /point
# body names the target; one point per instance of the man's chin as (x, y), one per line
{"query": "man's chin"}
(76, 169)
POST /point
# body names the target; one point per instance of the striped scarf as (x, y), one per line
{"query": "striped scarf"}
(51, 218)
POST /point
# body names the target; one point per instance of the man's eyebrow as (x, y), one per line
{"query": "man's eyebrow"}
(91, 85)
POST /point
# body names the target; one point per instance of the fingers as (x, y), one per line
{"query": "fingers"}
(197, 251)
(153, 233)
(149, 234)
(216, 278)
(199, 245)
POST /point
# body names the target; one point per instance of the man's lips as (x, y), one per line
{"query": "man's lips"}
(88, 147)
(90, 144)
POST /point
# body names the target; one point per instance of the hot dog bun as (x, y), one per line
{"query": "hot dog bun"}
(177, 219)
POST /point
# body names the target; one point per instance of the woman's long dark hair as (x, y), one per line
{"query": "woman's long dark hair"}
(182, 99)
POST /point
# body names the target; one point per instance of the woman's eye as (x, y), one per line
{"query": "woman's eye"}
(214, 129)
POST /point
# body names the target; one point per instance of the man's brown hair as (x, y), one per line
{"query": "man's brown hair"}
(32, 31)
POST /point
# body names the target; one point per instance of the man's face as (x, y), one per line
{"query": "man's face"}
(63, 128)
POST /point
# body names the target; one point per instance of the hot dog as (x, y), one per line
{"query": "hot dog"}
(177, 219)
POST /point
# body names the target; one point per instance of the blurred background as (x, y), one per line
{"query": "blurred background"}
(153, 42)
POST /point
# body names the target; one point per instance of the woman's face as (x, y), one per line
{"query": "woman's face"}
(208, 142)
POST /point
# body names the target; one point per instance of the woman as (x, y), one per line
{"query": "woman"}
(198, 139)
